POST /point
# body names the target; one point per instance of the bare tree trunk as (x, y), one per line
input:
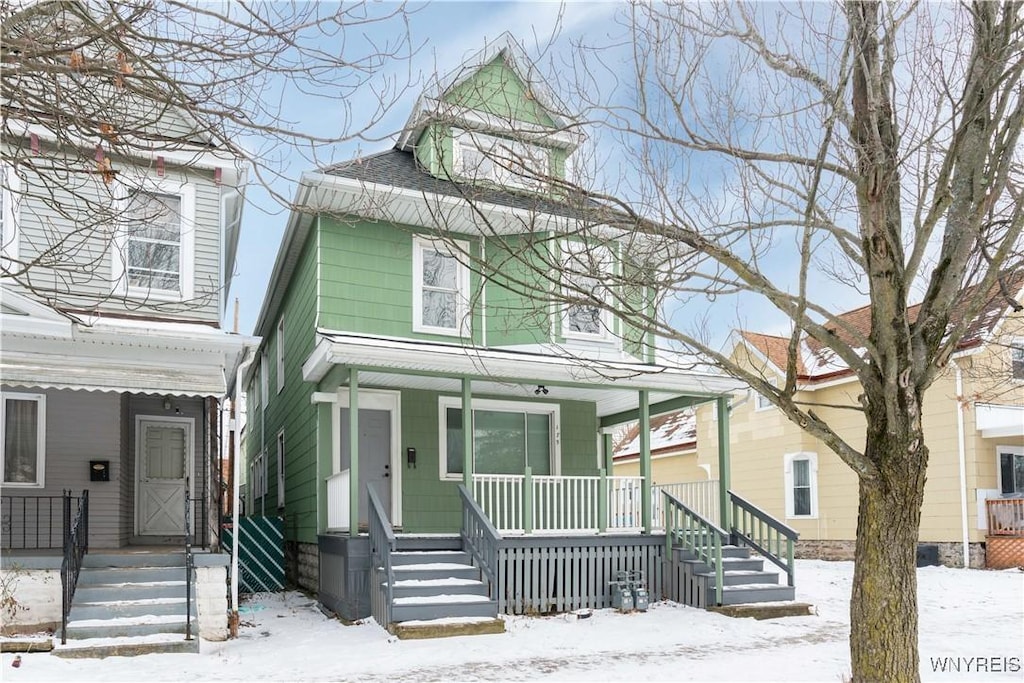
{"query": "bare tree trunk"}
(883, 608)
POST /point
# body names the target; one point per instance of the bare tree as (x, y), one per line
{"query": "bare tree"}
(789, 157)
(99, 94)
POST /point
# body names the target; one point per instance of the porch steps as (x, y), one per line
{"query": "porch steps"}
(744, 579)
(437, 592)
(130, 604)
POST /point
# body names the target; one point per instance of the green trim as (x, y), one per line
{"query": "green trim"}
(659, 408)
(723, 462)
(467, 434)
(353, 450)
(324, 464)
(609, 452)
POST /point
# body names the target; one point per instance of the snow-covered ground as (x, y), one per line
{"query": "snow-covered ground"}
(967, 617)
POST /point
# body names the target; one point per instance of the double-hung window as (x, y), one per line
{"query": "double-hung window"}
(156, 251)
(507, 436)
(280, 469)
(801, 481)
(1017, 359)
(440, 288)
(10, 198)
(1011, 471)
(280, 354)
(587, 269)
(24, 439)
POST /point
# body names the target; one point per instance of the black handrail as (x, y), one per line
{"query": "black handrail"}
(188, 563)
(481, 539)
(382, 544)
(31, 522)
(76, 545)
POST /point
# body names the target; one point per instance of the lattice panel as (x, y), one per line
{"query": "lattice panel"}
(1004, 552)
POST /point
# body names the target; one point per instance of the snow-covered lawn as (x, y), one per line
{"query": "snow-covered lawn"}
(965, 615)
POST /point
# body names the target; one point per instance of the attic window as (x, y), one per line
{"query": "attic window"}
(506, 162)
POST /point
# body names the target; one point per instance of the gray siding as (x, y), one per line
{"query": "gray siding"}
(88, 283)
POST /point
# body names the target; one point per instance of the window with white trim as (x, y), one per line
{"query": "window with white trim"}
(584, 278)
(440, 288)
(761, 402)
(24, 439)
(503, 161)
(280, 354)
(507, 436)
(280, 469)
(801, 481)
(156, 244)
(264, 378)
(1011, 470)
(1017, 359)
(258, 476)
(10, 200)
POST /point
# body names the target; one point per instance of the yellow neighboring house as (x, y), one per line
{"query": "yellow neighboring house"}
(974, 428)
(673, 450)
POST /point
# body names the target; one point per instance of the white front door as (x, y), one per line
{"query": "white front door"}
(163, 464)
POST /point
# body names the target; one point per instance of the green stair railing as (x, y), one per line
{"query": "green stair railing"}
(697, 534)
(768, 536)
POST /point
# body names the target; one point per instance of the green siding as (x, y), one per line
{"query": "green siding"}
(512, 316)
(496, 89)
(366, 285)
(431, 505)
(291, 409)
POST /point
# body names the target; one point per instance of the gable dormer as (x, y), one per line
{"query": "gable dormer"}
(492, 121)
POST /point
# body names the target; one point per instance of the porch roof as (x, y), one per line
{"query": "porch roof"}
(612, 385)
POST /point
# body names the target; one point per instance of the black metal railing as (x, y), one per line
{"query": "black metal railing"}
(201, 532)
(382, 544)
(481, 539)
(76, 545)
(31, 522)
(188, 563)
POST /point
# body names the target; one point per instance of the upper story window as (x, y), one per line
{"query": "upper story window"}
(506, 162)
(801, 474)
(10, 195)
(440, 288)
(584, 315)
(762, 402)
(264, 379)
(24, 439)
(280, 354)
(1017, 359)
(157, 244)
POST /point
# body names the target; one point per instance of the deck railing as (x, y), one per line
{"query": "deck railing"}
(524, 503)
(697, 534)
(1005, 516)
(31, 522)
(338, 501)
(699, 496)
(481, 540)
(76, 545)
(382, 544)
(771, 538)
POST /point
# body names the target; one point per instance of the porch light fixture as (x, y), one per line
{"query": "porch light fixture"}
(167, 402)
(541, 389)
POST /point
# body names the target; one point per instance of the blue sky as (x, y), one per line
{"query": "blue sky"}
(449, 33)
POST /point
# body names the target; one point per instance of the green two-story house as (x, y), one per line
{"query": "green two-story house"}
(418, 388)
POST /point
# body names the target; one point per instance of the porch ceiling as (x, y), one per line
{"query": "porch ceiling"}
(612, 385)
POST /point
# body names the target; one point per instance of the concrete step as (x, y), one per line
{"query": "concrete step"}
(751, 593)
(447, 628)
(126, 646)
(435, 570)
(110, 592)
(429, 587)
(141, 558)
(123, 575)
(83, 610)
(120, 627)
(406, 557)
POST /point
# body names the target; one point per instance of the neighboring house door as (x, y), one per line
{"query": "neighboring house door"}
(378, 440)
(164, 457)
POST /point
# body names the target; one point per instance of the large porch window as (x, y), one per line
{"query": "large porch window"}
(507, 436)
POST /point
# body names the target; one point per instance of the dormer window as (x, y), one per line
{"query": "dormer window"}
(502, 161)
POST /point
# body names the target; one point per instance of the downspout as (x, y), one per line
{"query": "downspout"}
(235, 494)
(962, 454)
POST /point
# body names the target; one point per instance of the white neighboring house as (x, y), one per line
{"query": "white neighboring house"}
(113, 396)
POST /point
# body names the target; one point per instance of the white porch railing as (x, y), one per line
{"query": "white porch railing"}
(699, 496)
(338, 501)
(518, 503)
